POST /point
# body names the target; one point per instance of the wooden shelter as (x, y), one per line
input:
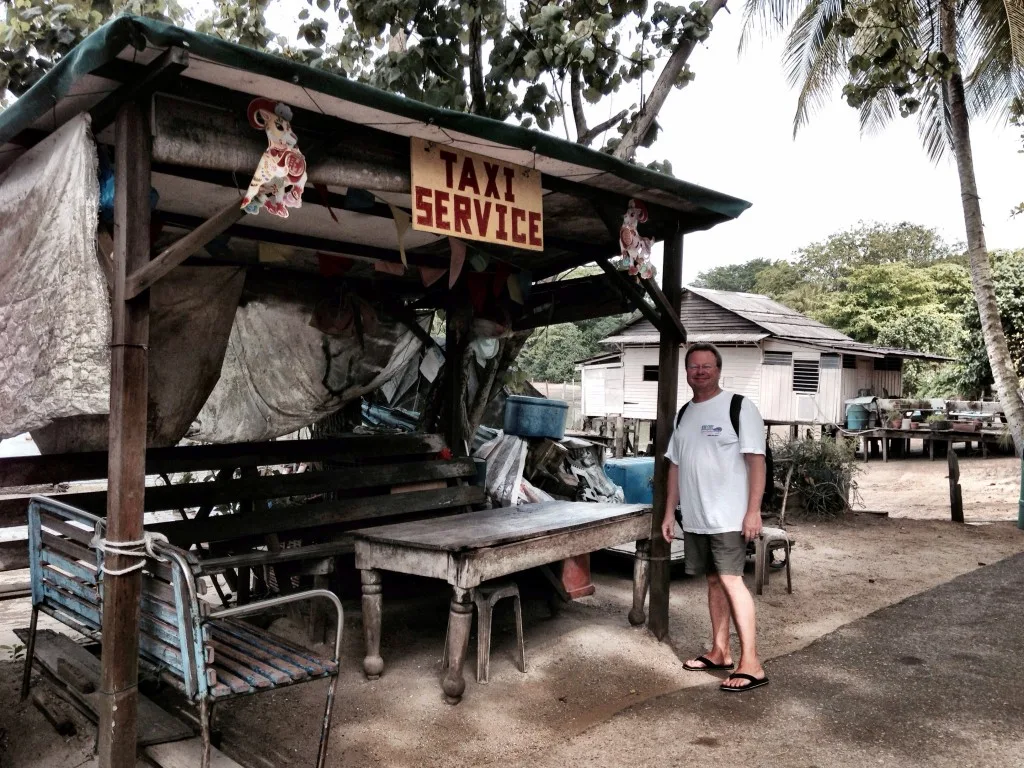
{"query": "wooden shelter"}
(172, 105)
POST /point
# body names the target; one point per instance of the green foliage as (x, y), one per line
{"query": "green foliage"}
(973, 374)
(823, 471)
(502, 60)
(551, 353)
(733, 277)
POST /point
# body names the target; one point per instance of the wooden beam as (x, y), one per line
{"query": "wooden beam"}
(668, 383)
(129, 366)
(565, 301)
(632, 293)
(144, 277)
(675, 322)
(166, 67)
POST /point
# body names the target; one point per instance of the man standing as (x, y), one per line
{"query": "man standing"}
(716, 475)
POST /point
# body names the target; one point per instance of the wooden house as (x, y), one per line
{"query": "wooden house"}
(795, 368)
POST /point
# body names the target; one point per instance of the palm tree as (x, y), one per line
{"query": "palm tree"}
(907, 57)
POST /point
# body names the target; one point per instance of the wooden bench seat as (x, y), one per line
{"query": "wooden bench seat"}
(206, 654)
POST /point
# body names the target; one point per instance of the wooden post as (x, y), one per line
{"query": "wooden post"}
(620, 437)
(118, 696)
(668, 379)
(458, 315)
(956, 500)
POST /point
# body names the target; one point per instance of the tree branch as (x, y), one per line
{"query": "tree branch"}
(576, 95)
(600, 128)
(476, 63)
(666, 81)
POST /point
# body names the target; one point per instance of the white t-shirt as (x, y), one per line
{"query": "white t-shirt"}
(712, 472)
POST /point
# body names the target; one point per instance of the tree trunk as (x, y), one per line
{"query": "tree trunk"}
(1006, 380)
(664, 85)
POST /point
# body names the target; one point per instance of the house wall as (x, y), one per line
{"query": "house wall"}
(890, 382)
(741, 372)
(780, 402)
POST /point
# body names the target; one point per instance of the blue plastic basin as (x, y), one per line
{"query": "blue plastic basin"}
(535, 417)
(635, 476)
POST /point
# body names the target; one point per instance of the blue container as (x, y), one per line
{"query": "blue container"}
(535, 417)
(856, 416)
(635, 475)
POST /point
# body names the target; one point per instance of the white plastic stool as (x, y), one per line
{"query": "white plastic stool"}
(771, 538)
(484, 598)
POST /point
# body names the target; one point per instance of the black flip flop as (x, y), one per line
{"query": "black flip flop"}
(708, 664)
(755, 682)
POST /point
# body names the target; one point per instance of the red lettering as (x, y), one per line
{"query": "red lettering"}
(535, 238)
(462, 214)
(483, 216)
(491, 190)
(518, 214)
(509, 175)
(468, 178)
(502, 233)
(449, 164)
(425, 217)
(441, 201)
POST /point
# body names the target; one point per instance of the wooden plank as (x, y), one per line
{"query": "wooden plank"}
(167, 66)
(663, 304)
(15, 591)
(632, 293)
(155, 725)
(263, 557)
(956, 501)
(202, 494)
(668, 381)
(497, 527)
(353, 449)
(129, 370)
(334, 513)
(147, 275)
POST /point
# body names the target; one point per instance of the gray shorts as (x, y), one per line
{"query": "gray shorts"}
(714, 553)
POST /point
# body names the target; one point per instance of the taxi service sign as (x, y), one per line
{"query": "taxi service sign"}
(470, 196)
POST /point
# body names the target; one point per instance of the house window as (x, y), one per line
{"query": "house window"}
(778, 358)
(849, 361)
(830, 361)
(650, 373)
(805, 376)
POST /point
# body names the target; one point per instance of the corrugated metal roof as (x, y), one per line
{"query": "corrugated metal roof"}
(776, 318)
(692, 338)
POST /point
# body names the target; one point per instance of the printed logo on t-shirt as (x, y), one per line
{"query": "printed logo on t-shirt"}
(710, 430)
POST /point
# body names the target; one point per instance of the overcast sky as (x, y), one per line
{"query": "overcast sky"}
(731, 130)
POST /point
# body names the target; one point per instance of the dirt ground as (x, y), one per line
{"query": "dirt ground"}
(587, 664)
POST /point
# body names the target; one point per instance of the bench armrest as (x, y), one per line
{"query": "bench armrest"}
(271, 602)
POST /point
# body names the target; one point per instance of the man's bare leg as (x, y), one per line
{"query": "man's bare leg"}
(718, 607)
(741, 605)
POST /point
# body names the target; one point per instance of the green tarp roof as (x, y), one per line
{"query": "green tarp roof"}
(47, 102)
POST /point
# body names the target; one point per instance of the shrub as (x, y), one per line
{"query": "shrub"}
(823, 471)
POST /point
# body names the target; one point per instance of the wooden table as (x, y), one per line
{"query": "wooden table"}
(470, 548)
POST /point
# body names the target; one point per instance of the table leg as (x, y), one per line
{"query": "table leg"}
(373, 664)
(641, 580)
(460, 621)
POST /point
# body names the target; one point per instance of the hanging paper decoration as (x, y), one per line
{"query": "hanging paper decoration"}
(514, 290)
(389, 267)
(636, 250)
(401, 226)
(430, 275)
(479, 261)
(280, 177)
(325, 200)
(332, 265)
(458, 259)
(478, 288)
(272, 252)
(501, 273)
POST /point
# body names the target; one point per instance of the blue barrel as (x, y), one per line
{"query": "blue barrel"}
(856, 416)
(535, 417)
(635, 476)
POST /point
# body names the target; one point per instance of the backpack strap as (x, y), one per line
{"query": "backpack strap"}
(734, 412)
(679, 416)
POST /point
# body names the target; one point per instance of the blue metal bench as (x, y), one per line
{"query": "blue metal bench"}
(208, 655)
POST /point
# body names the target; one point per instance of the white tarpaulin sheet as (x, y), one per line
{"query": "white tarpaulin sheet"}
(281, 374)
(54, 307)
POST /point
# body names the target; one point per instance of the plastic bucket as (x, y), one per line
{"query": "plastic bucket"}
(856, 417)
(535, 417)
